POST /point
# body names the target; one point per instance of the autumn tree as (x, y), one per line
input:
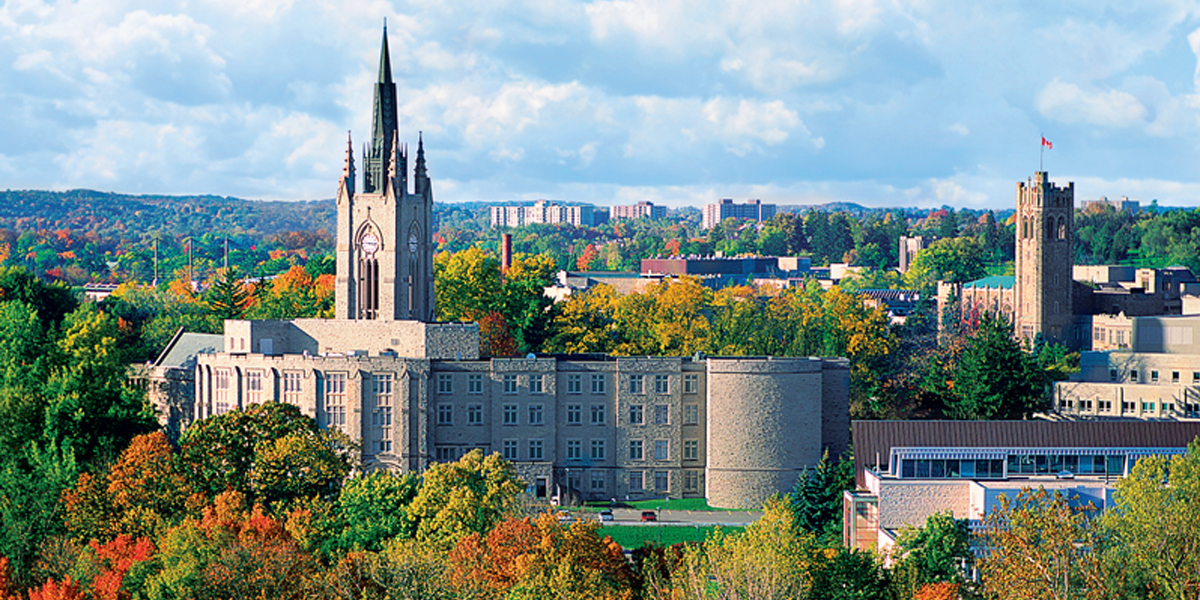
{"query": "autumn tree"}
(771, 558)
(270, 452)
(90, 405)
(1038, 546)
(374, 508)
(142, 494)
(1156, 522)
(525, 558)
(932, 554)
(458, 498)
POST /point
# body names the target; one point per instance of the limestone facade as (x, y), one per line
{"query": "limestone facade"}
(734, 430)
(1045, 255)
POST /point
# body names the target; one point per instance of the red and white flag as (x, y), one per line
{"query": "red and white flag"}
(1046, 143)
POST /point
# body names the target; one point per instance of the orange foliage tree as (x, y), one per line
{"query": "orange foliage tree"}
(543, 558)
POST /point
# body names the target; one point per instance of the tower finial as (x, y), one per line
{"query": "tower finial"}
(420, 166)
(385, 59)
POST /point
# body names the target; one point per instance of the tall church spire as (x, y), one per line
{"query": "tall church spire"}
(385, 124)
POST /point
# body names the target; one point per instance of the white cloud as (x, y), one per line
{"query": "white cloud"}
(1069, 103)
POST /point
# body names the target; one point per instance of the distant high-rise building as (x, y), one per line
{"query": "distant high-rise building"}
(546, 212)
(637, 211)
(726, 209)
(910, 246)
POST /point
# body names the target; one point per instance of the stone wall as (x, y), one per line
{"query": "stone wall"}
(910, 503)
(764, 427)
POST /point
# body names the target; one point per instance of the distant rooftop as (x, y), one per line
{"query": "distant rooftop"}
(996, 281)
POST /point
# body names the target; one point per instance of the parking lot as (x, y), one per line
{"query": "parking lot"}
(690, 518)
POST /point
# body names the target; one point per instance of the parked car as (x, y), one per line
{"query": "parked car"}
(649, 515)
(606, 515)
(1064, 475)
(564, 516)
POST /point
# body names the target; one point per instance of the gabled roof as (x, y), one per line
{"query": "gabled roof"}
(181, 351)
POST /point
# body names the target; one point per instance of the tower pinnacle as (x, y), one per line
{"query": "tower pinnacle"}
(385, 124)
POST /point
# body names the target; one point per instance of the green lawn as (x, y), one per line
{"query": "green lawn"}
(666, 504)
(633, 536)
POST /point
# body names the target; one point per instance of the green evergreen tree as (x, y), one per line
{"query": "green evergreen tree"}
(996, 378)
(817, 497)
(228, 298)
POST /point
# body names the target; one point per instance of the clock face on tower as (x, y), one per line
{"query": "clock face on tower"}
(412, 242)
(369, 244)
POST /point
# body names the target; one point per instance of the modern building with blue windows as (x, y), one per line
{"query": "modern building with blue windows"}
(909, 470)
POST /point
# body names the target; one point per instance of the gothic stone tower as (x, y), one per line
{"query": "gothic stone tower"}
(384, 232)
(1045, 254)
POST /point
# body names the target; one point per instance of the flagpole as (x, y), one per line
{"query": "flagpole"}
(1041, 152)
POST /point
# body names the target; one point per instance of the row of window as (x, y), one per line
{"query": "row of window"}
(535, 383)
(1134, 376)
(1105, 406)
(1027, 464)
(536, 414)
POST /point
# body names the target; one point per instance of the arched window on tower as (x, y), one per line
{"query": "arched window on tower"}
(368, 276)
(1062, 228)
(1050, 228)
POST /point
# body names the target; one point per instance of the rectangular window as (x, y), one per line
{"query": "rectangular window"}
(335, 400)
(635, 449)
(222, 391)
(662, 450)
(662, 481)
(597, 414)
(474, 414)
(535, 449)
(1195, 377)
(291, 387)
(445, 454)
(1112, 374)
(535, 383)
(691, 383)
(597, 383)
(691, 414)
(598, 481)
(574, 383)
(509, 451)
(574, 414)
(574, 450)
(537, 414)
(635, 481)
(254, 386)
(510, 384)
(1133, 376)
(597, 450)
(1153, 376)
(662, 414)
(662, 384)
(445, 414)
(1174, 376)
(381, 418)
(635, 414)
(691, 481)
(691, 449)
(510, 414)
(635, 384)
(445, 385)
(475, 383)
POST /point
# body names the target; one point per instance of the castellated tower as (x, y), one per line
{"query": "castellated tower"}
(1045, 253)
(384, 246)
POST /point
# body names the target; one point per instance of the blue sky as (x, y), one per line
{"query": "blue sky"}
(922, 103)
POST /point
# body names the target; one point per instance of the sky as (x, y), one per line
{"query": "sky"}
(678, 102)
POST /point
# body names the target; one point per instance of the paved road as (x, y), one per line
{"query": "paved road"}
(689, 518)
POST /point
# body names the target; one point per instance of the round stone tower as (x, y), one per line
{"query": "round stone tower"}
(764, 427)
